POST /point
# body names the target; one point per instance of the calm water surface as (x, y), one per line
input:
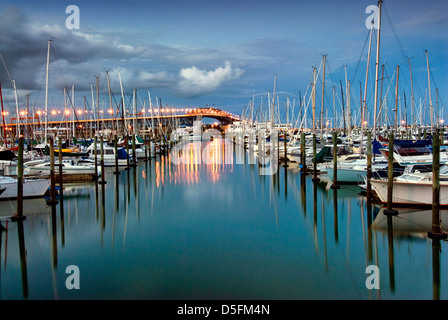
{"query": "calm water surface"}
(222, 231)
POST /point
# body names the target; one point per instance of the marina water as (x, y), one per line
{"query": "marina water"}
(162, 230)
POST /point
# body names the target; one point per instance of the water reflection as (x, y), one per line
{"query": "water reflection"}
(217, 231)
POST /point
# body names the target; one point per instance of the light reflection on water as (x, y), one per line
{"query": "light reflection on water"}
(217, 231)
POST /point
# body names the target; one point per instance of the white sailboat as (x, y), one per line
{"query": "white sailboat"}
(69, 166)
(32, 188)
(108, 155)
(413, 188)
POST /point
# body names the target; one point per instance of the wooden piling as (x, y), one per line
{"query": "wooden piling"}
(335, 161)
(436, 231)
(95, 152)
(315, 178)
(146, 148)
(61, 192)
(116, 154)
(103, 180)
(134, 156)
(302, 152)
(285, 152)
(390, 181)
(127, 152)
(52, 200)
(369, 164)
(19, 214)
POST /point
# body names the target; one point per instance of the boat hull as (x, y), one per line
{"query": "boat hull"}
(347, 175)
(32, 188)
(405, 193)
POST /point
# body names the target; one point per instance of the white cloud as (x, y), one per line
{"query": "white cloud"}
(144, 76)
(194, 81)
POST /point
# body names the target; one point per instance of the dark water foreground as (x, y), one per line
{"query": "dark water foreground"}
(218, 231)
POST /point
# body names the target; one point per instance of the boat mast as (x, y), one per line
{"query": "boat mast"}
(17, 109)
(93, 113)
(412, 93)
(125, 129)
(111, 105)
(377, 68)
(364, 107)
(314, 100)
(46, 90)
(65, 114)
(3, 118)
(322, 105)
(431, 107)
(343, 108)
(272, 104)
(73, 117)
(97, 102)
(396, 101)
(134, 111)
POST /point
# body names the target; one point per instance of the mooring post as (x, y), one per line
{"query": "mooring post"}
(315, 178)
(302, 152)
(19, 214)
(103, 180)
(335, 161)
(61, 193)
(285, 152)
(390, 174)
(134, 156)
(146, 148)
(96, 157)
(127, 152)
(369, 164)
(436, 231)
(52, 200)
(116, 154)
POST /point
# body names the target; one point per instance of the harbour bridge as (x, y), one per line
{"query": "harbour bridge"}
(30, 125)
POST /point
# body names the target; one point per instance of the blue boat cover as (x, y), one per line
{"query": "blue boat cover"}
(122, 154)
(414, 143)
(376, 146)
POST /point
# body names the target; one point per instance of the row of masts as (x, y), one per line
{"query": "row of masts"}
(380, 116)
(122, 125)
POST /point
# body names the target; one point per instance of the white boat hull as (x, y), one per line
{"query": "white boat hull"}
(46, 171)
(31, 188)
(409, 193)
(347, 175)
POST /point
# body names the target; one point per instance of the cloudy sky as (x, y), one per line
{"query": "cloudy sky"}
(217, 52)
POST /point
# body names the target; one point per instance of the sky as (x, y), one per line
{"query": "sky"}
(197, 53)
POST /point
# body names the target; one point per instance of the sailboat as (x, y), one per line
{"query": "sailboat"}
(109, 155)
(32, 188)
(413, 188)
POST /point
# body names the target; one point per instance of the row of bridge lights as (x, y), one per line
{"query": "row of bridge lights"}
(110, 111)
(142, 111)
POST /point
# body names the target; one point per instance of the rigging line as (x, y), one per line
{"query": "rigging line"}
(395, 35)
(360, 57)
(6, 68)
(56, 59)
